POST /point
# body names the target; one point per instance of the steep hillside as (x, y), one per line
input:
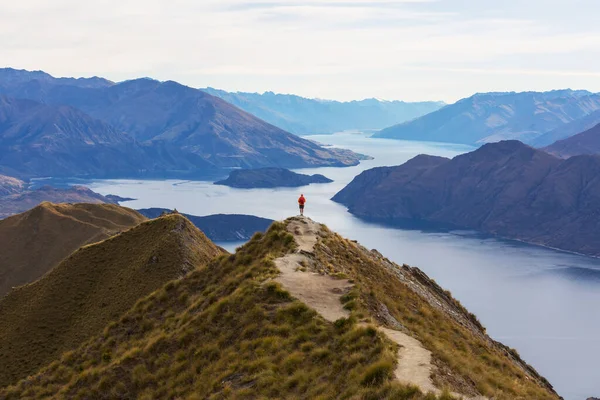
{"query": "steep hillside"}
(41, 140)
(220, 227)
(10, 185)
(568, 130)
(201, 125)
(587, 142)
(90, 288)
(28, 199)
(270, 178)
(506, 188)
(309, 116)
(229, 331)
(492, 117)
(33, 242)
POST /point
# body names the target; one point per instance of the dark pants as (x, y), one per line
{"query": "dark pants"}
(301, 208)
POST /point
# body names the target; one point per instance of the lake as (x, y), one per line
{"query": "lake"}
(543, 302)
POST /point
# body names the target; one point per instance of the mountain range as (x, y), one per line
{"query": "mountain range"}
(492, 117)
(507, 189)
(312, 116)
(158, 311)
(138, 127)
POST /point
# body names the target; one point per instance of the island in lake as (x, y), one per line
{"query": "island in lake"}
(270, 178)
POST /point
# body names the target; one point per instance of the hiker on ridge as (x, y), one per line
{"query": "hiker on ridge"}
(301, 202)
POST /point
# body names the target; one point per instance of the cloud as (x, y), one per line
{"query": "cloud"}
(331, 49)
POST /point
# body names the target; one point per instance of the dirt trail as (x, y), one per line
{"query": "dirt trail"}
(322, 293)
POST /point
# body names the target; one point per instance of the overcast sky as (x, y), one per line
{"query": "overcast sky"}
(334, 49)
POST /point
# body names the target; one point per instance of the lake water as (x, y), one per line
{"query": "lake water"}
(542, 302)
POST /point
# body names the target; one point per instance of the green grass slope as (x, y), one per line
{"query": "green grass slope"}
(224, 331)
(33, 242)
(92, 287)
(227, 331)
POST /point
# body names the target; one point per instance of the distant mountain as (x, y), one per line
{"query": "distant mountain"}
(507, 189)
(10, 185)
(310, 116)
(270, 178)
(39, 140)
(167, 114)
(587, 142)
(492, 117)
(220, 227)
(27, 199)
(34, 242)
(18, 79)
(92, 287)
(566, 131)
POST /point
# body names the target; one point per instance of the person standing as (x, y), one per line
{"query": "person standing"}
(301, 202)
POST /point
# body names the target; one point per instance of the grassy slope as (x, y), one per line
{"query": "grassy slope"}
(224, 331)
(35, 241)
(93, 286)
(468, 360)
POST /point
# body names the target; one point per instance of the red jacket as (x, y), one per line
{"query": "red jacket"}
(301, 200)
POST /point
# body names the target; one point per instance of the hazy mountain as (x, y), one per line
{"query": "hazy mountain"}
(40, 140)
(35, 241)
(309, 116)
(256, 324)
(18, 79)
(507, 189)
(27, 199)
(220, 227)
(95, 285)
(177, 116)
(568, 130)
(270, 178)
(492, 117)
(587, 142)
(10, 185)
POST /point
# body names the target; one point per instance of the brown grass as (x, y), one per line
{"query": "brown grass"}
(34, 242)
(224, 331)
(469, 361)
(92, 287)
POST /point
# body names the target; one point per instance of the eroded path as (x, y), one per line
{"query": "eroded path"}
(322, 293)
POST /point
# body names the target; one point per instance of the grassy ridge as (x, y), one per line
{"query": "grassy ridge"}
(93, 286)
(225, 331)
(37, 240)
(468, 360)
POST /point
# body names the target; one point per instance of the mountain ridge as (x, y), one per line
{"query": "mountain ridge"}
(92, 287)
(302, 115)
(32, 243)
(230, 329)
(206, 130)
(492, 117)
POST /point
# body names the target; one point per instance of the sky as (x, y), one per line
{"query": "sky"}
(337, 49)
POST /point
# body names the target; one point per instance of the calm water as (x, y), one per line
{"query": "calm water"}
(544, 303)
